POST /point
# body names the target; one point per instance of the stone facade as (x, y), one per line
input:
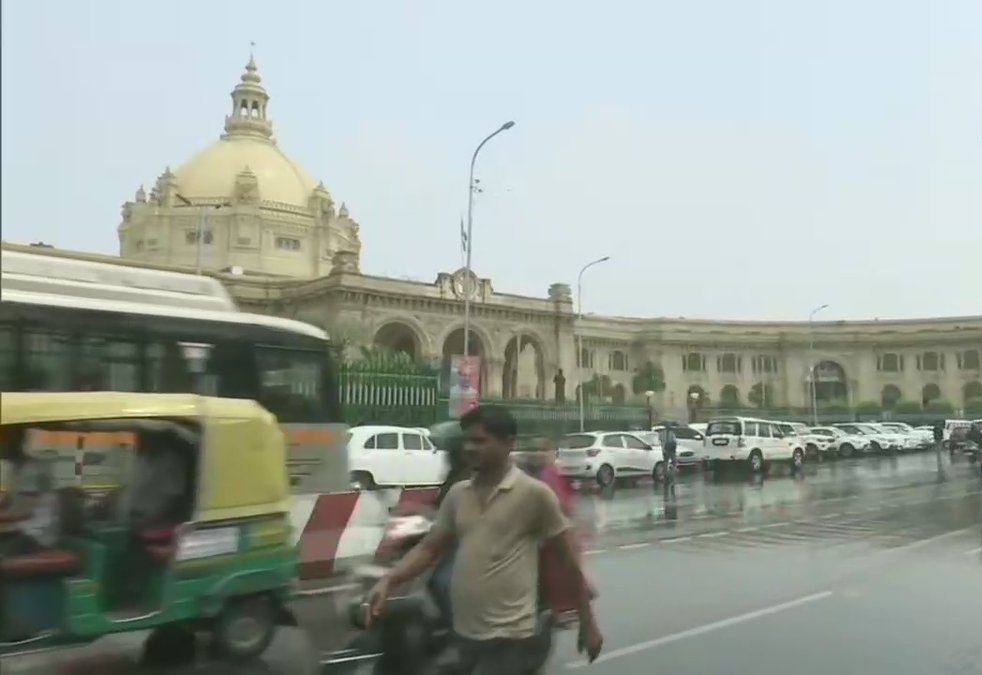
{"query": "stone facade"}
(260, 219)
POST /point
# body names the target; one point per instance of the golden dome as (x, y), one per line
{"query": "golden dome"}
(247, 144)
(210, 175)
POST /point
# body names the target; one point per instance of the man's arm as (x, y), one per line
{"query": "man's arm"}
(422, 556)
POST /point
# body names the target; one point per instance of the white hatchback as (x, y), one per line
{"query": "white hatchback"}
(381, 455)
(607, 456)
(754, 441)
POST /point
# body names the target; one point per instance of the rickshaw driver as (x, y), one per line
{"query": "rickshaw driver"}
(160, 492)
(33, 506)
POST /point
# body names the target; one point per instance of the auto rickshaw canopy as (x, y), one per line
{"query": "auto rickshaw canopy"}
(242, 468)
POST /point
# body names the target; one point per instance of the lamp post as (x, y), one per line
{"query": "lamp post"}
(694, 397)
(470, 241)
(202, 227)
(579, 336)
(811, 359)
(648, 395)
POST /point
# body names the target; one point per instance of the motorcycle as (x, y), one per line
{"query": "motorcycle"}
(413, 636)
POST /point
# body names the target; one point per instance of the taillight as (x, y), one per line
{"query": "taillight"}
(741, 442)
(592, 452)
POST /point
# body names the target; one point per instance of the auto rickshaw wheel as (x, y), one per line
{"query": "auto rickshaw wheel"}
(245, 628)
(169, 647)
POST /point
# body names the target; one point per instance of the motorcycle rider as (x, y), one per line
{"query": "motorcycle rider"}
(499, 519)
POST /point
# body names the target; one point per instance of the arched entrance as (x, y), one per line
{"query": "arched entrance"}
(890, 396)
(972, 391)
(830, 381)
(930, 392)
(524, 373)
(729, 396)
(454, 346)
(399, 338)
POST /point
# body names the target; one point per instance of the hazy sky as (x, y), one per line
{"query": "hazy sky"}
(746, 159)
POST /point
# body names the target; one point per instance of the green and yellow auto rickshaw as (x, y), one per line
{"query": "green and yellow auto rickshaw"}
(193, 534)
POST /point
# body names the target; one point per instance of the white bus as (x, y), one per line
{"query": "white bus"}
(70, 324)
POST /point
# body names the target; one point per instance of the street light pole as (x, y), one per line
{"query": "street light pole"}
(579, 336)
(811, 358)
(468, 290)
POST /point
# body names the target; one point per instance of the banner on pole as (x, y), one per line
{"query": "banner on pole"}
(465, 379)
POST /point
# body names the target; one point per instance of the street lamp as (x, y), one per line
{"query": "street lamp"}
(811, 358)
(470, 241)
(202, 226)
(648, 395)
(694, 397)
(579, 336)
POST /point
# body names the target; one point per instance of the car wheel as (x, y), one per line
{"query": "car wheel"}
(875, 448)
(245, 628)
(658, 473)
(813, 451)
(362, 480)
(847, 450)
(797, 459)
(605, 476)
(756, 462)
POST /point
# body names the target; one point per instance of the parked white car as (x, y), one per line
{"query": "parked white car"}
(380, 456)
(795, 439)
(754, 441)
(690, 442)
(608, 456)
(841, 442)
(878, 441)
(898, 440)
(919, 439)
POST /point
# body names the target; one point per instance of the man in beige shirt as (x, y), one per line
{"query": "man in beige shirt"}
(499, 520)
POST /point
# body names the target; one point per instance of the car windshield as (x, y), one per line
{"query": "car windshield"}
(723, 428)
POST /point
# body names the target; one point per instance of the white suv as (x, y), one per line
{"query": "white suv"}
(841, 443)
(607, 456)
(754, 441)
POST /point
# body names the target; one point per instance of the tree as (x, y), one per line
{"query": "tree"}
(907, 408)
(761, 395)
(649, 377)
(973, 407)
(939, 406)
(598, 387)
(869, 407)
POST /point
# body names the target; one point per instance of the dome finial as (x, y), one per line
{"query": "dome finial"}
(249, 100)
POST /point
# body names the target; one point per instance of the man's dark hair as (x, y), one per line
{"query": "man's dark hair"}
(495, 419)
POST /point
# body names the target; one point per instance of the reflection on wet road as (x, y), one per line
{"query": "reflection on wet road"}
(864, 566)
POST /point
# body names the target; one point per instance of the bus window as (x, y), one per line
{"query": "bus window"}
(8, 357)
(48, 361)
(291, 383)
(108, 365)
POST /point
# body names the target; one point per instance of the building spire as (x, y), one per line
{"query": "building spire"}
(249, 101)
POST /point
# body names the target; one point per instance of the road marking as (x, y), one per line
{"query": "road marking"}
(702, 630)
(628, 547)
(782, 524)
(974, 551)
(713, 535)
(748, 529)
(325, 590)
(675, 539)
(595, 551)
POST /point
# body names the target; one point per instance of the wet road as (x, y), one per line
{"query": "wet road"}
(863, 566)
(866, 567)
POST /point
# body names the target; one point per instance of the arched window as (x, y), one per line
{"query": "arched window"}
(693, 362)
(969, 360)
(930, 392)
(728, 363)
(617, 360)
(890, 363)
(586, 358)
(931, 361)
(890, 396)
(729, 396)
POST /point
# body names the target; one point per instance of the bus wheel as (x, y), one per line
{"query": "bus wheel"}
(245, 628)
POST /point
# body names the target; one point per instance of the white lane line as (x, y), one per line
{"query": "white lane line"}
(594, 551)
(701, 630)
(974, 551)
(713, 535)
(628, 547)
(748, 529)
(325, 590)
(675, 539)
(774, 525)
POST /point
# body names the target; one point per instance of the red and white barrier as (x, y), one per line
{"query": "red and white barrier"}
(335, 531)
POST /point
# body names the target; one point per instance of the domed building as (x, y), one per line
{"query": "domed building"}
(243, 211)
(241, 204)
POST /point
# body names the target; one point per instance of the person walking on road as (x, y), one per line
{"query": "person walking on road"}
(939, 444)
(498, 519)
